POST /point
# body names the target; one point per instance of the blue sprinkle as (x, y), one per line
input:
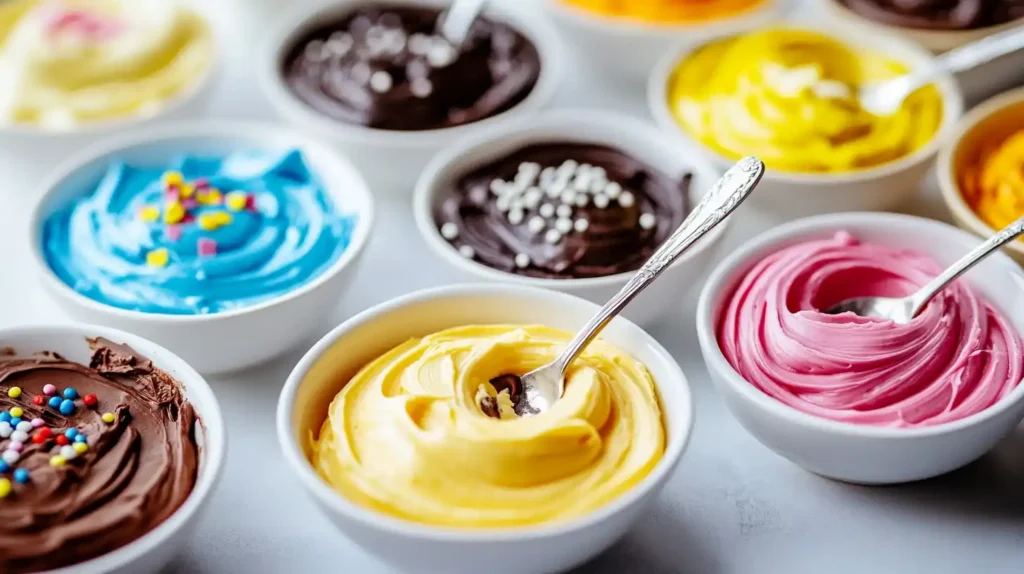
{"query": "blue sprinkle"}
(15, 421)
(21, 476)
(70, 433)
(70, 394)
(67, 407)
(55, 402)
(5, 417)
(80, 437)
(4, 467)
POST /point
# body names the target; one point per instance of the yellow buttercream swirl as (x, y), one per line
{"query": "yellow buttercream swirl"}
(406, 436)
(994, 184)
(787, 96)
(73, 61)
(667, 11)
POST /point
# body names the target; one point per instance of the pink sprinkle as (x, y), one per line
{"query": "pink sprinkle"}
(36, 423)
(172, 194)
(15, 446)
(201, 183)
(49, 389)
(206, 247)
(189, 218)
(190, 204)
(173, 232)
(250, 202)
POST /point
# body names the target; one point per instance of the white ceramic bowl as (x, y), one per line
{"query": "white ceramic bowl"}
(985, 80)
(994, 120)
(392, 159)
(633, 137)
(150, 553)
(786, 195)
(858, 453)
(232, 339)
(414, 547)
(625, 50)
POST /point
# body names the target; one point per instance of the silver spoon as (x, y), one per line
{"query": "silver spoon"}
(459, 18)
(541, 387)
(903, 309)
(885, 98)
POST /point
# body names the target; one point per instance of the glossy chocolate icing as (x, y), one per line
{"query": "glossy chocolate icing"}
(613, 239)
(384, 67)
(137, 471)
(938, 14)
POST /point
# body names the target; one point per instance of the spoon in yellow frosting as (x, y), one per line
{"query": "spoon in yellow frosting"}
(540, 388)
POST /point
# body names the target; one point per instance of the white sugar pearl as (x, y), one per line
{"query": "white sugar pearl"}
(68, 452)
(532, 197)
(516, 216)
(380, 81)
(563, 210)
(568, 196)
(441, 54)
(517, 203)
(569, 165)
(522, 260)
(339, 43)
(581, 183)
(19, 436)
(536, 224)
(24, 426)
(598, 172)
(497, 186)
(554, 190)
(418, 44)
(626, 199)
(552, 236)
(581, 225)
(12, 456)
(563, 225)
(467, 251)
(547, 175)
(5, 430)
(582, 200)
(547, 210)
(612, 190)
(601, 201)
(360, 73)
(421, 87)
(647, 221)
(597, 185)
(503, 203)
(449, 231)
(315, 51)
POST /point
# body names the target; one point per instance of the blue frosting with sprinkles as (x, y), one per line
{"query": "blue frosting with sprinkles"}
(290, 233)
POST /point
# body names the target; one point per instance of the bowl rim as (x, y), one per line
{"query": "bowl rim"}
(299, 20)
(175, 103)
(213, 451)
(363, 207)
(676, 441)
(713, 292)
(426, 189)
(755, 15)
(926, 33)
(913, 54)
(949, 181)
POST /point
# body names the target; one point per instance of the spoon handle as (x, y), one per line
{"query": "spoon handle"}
(979, 52)
(926, 293)
(723, 197)
(456, 22)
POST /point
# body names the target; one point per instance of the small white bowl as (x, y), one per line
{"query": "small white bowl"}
(858, 453)
(413, 547)
(785, 194)
(154, 550)
(633, 137)
(627, 50)
(232, 339)
(391, 159)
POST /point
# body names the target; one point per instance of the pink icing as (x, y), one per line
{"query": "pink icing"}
(93, 26)
(956, 358)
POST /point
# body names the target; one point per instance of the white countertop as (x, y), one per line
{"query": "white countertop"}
(733, 505)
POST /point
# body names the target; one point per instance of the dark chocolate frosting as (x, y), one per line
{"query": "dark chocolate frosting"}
(384, 66)
(136, 472)
(939, 14)
(563, 210)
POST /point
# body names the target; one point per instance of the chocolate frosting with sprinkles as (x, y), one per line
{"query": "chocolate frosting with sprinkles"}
(563, 211)
(137, 471)
(939, 14)
(386, 68)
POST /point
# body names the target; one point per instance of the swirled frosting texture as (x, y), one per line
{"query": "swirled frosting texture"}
(787, 97)
(68, 62)
(955, 359)
(939, 14)
(99, 244)
(137, 472)
(667, 11)
(406, 436)
(993, 182)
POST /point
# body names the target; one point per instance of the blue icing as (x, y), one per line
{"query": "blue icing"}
(98, 243)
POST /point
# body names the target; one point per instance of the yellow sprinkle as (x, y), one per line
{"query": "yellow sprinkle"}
(150, 214)
(5, 487)
(209, 197)
(236, 200)
(108, 418)
(209, 221)
(17, 412)
(186, 190)
(223, 217)
(14, 392)
(173, 178)
(157, 257)
(175, 213)
(57, 460)
(80, 447)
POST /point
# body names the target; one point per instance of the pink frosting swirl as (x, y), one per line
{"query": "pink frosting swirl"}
(956, 358)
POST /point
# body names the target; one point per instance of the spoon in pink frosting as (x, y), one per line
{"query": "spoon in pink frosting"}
(902, 310)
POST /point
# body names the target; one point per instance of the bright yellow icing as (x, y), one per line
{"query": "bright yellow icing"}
(58, 76)
(667, 11)
(406, 435)
(994, 185)
(787, 96)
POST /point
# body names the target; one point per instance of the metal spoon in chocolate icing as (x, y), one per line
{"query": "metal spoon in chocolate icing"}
(456, 22)
(885, 98)
(540, 388)
(903, 309)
